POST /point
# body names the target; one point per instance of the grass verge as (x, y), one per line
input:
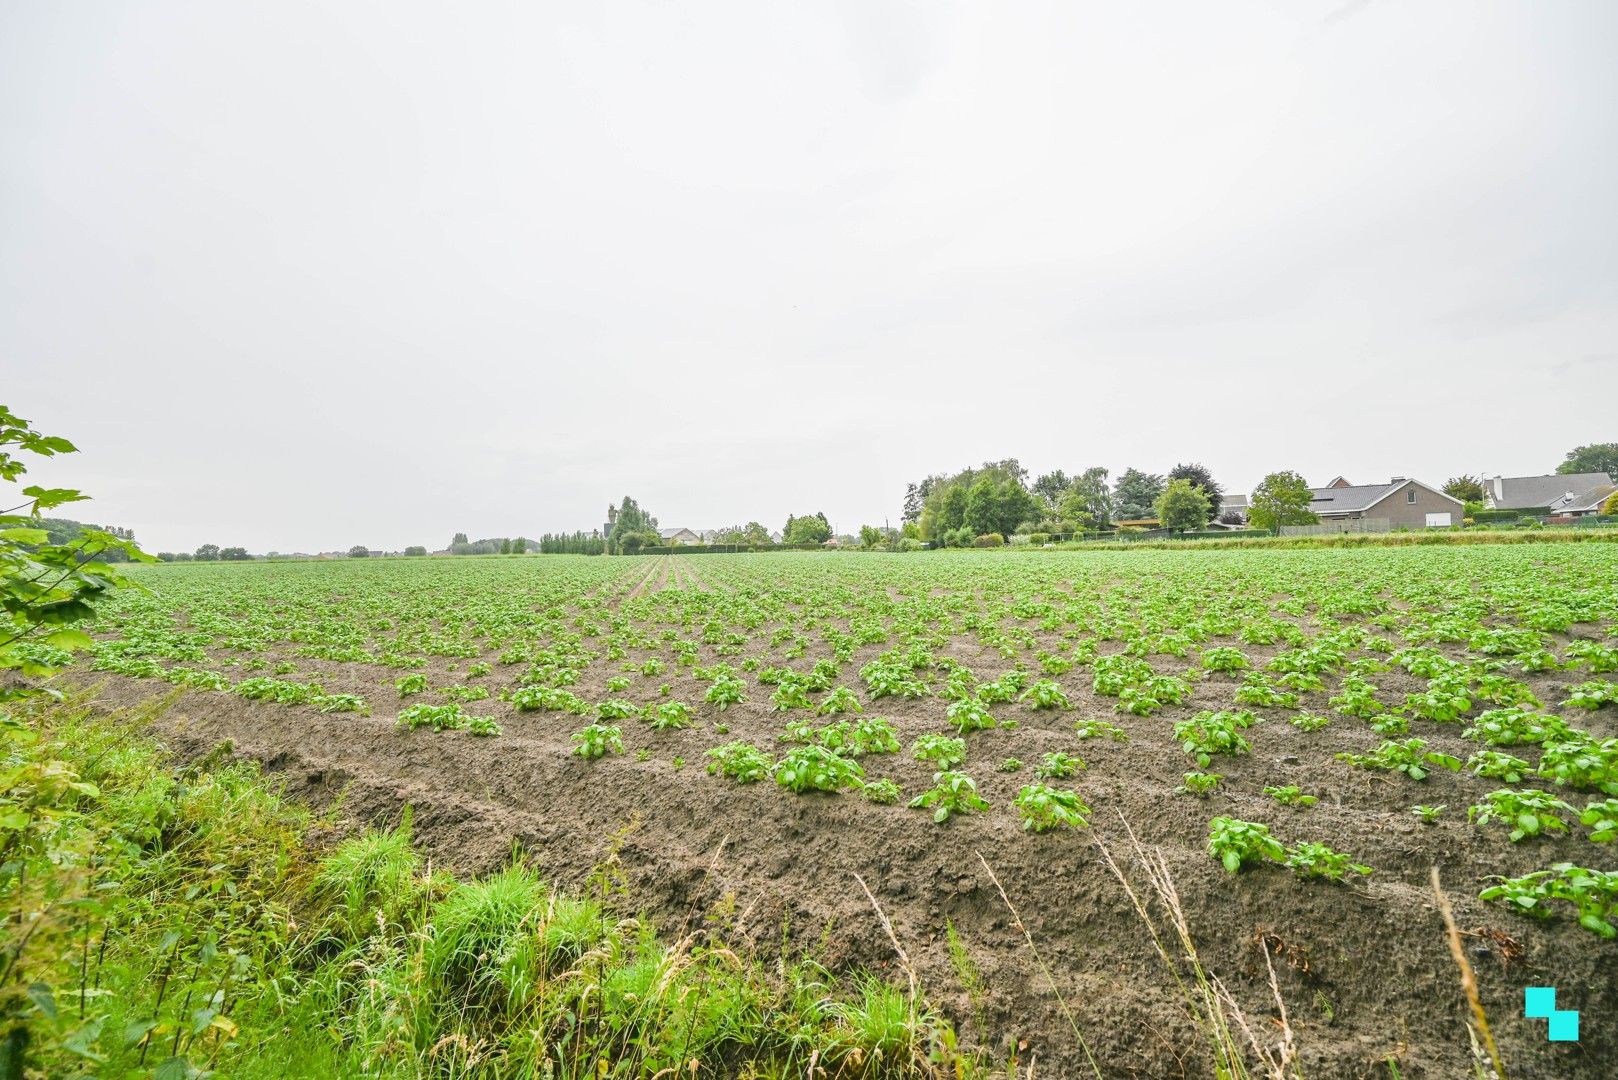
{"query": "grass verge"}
(172, 922)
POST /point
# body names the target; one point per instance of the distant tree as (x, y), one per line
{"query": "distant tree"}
(1610, 507)
(166, 556)
(630, 543)
(234, 554)
(756, 535)
(1097, 496)
(1183, 505)
(505, 547)
(460, 538)
(870, 536)
(813, 529)
(578, 543)
(207, 553)
(632, 519)
(982, 509)
(1465, 488)
(519, 546)
(1281, 498)
(915, 499)
(1073, 510)
(358, 551)
(415, 549)
(1597, 457)
(1135, 494)
(183, 556)
(1050, 487)
(937, 506)
(1202, 479)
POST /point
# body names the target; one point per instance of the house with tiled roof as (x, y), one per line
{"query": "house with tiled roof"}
(680, 536)
(1561, 494)
(1402, 502)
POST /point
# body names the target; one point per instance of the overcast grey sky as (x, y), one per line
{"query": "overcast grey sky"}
(303, 275)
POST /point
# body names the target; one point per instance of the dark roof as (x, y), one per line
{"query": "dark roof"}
(1351, 499)
(1584, 501)
(1355, 498)
(1530, 492)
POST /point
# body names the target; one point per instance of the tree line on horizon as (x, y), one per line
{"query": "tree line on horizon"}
(995, 499)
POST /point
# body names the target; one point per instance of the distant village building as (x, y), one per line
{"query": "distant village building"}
(1402, 502)
(679, 536)
(1559, 494)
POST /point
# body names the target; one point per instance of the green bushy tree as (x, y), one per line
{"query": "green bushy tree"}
(1597, 457)
(1135, 494)
(1201, 479)
(809, 529)
(1468, 489)
(1182, 506)
(1281, 498)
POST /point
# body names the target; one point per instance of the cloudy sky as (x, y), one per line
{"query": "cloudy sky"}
(299, 276)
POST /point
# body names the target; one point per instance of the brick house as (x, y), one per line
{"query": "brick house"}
(1402, 502)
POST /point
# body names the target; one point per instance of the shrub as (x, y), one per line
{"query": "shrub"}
(988, 540)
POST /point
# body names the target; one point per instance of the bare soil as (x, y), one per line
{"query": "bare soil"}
(1363, 968)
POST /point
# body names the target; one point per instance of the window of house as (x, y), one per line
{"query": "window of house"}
(1410, 496)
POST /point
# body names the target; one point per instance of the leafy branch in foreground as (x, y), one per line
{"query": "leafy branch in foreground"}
(46, 588)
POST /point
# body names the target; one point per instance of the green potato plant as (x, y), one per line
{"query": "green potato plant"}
(951, 793)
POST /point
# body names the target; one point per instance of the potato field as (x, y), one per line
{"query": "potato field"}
(1290, 740)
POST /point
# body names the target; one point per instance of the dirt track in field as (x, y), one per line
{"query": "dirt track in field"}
(1363, 968)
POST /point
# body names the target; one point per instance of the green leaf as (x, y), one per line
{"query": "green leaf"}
(81, 1040)
(69, 639)
(23, 535)
(1232, 861)
(47, 498)
(1597, 924)
(175, 1068)
(44, 1000)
